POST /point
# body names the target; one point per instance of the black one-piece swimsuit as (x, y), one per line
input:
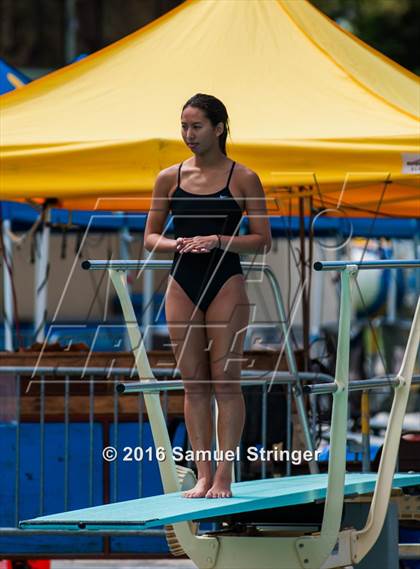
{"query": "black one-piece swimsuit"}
(202, 275)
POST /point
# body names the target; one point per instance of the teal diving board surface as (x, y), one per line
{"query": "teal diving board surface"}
(153, 511)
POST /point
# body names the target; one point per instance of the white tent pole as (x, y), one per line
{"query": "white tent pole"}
(42, 253)
(7, 286)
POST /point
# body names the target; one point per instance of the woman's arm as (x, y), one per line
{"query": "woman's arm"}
(159, 209)
(259, 238)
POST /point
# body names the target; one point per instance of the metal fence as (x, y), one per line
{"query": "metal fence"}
(102, 481)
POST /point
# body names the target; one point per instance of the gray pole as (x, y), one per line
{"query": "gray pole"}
(42, 254)
(124, 242)
(147, 312)
(391, 300)
(71, 26)
(416, 246)
(317, 302)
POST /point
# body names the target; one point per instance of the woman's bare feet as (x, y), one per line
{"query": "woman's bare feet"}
(200, 489)
(221, 486)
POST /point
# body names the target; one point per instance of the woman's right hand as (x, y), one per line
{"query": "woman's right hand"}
(180, 244)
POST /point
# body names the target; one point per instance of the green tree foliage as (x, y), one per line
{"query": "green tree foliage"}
(390, 26)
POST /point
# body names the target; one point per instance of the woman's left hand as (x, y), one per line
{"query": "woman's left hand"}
(199, 244)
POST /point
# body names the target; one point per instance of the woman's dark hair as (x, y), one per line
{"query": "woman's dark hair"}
(214, 110)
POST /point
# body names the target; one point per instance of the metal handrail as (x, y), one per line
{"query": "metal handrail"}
(358, 385)
(363, 265)
(153, 264)
(256, 378)
(263, 378)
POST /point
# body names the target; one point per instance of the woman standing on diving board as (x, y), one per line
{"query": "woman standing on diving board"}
(207, 307)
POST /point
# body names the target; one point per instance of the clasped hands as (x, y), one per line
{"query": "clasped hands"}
(198, 244)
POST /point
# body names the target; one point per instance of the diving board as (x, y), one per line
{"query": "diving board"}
(328, 548)
(165, 509)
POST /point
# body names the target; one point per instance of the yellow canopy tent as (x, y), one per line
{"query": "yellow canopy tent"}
(311, 107)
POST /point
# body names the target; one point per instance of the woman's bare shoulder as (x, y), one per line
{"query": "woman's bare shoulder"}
(166, 179)
(246, 177)
(169, 173)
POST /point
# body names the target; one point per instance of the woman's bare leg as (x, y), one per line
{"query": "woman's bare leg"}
(189, 342)
(227, 319)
